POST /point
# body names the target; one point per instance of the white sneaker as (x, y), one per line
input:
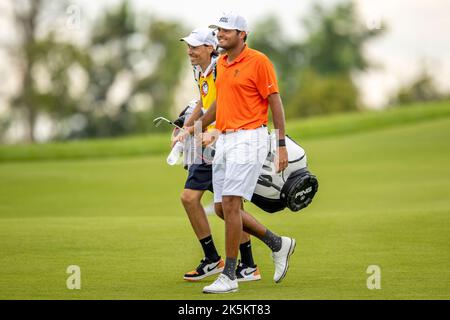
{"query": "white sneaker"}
(281, 258)
(223, 284)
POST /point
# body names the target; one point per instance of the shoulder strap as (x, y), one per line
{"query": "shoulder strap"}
(196, 74)
(215, 73)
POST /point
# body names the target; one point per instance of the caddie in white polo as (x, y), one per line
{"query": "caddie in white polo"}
(246, 87)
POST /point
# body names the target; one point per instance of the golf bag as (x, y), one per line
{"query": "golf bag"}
(293, 188)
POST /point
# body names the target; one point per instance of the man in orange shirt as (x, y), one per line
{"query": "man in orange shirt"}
(246, 87)
(201, 48)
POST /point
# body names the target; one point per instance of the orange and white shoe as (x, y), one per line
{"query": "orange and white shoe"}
(246, 273)
(206, 268)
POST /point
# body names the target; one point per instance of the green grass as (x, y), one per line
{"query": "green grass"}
(147, 145)
(342, 124)
(158, 144)
(383, 200)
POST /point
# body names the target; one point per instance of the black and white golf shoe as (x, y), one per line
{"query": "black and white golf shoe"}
(206, 268)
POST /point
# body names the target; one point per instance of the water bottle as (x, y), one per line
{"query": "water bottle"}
(176, 153)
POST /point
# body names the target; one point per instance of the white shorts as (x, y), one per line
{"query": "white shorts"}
(238, 162)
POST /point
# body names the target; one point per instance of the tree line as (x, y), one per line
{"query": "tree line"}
(128, 70)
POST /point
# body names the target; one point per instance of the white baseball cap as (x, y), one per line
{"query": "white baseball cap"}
(232, 21)
(201, 36)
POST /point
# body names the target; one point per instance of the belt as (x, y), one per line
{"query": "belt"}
(236, 130)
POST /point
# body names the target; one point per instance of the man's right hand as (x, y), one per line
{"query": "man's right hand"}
(184, 134)
(210, 137)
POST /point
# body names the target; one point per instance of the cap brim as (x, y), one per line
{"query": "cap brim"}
(217, 26)
(226, 27)
(192, 41)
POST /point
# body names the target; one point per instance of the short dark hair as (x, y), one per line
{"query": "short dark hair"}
(214, 53)
(245, 38)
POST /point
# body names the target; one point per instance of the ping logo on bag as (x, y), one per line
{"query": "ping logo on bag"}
(303, 192)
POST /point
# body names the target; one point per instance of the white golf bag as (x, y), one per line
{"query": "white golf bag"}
(293, 188)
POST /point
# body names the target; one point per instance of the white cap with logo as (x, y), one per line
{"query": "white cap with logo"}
(201, 36)
(232, 21)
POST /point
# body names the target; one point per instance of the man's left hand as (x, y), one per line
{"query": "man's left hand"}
(282, 157)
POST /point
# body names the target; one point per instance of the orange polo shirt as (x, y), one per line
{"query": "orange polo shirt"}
(243, 88)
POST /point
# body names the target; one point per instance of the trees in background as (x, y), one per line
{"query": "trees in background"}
(129, 69)
(126, 73)
(422, 88)
(136, 63)
(43, 64)
(316, 73)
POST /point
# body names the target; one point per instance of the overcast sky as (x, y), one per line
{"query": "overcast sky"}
(417, 32)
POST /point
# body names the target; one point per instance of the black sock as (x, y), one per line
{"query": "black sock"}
(246, 254)
(209, 248)
(272, 241)
(230, 268)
